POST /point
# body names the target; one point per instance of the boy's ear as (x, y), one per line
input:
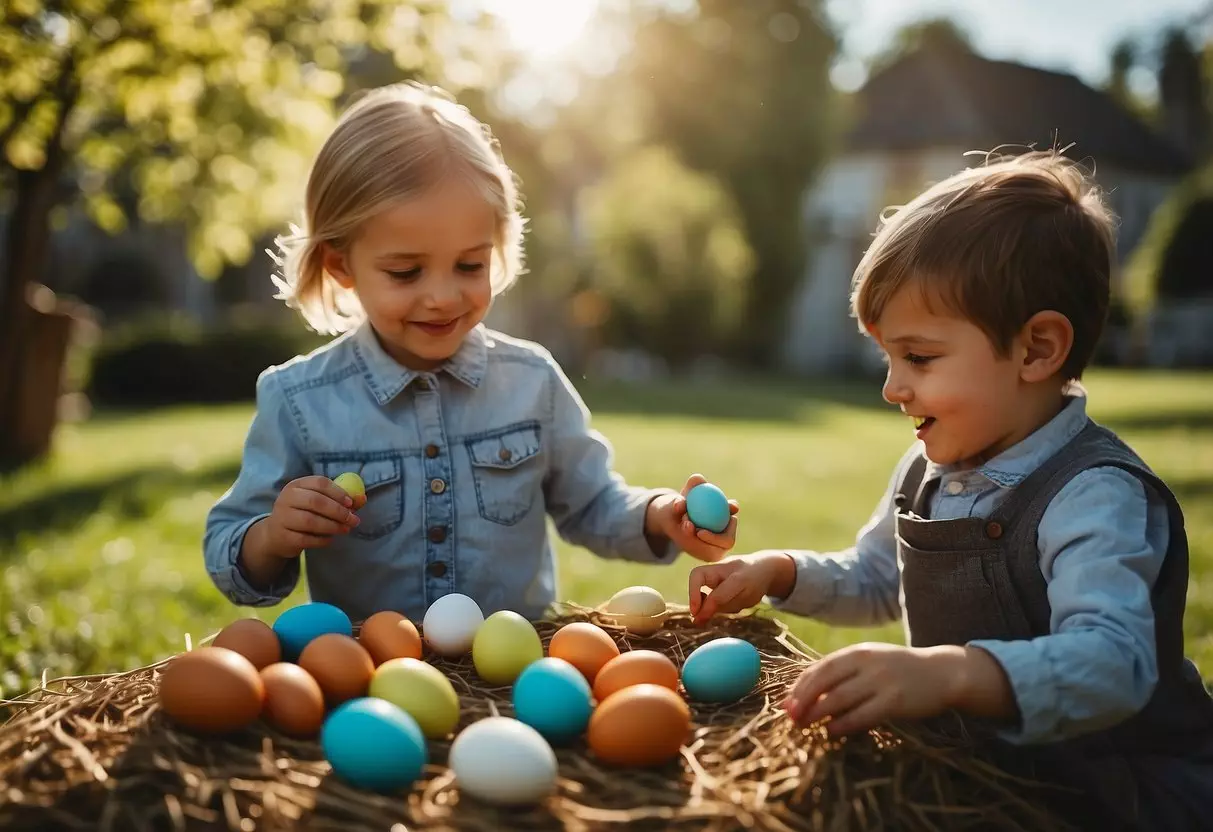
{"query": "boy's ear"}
(334, 264)
(1046, 340)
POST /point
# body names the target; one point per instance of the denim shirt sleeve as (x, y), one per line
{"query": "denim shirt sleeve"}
(1102, 543)
(272, 458)
(589, 502)
(858, 586)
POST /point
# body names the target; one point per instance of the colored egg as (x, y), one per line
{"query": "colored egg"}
(374, 745)
(708, 507)
(353, 485)
(635, 667)
(253, 639)
(585, 646)
(450, 624)
(722, 670)
(294, 703)
(504, 645)
(211, 690)
(643, 725)
(420, 690)
(299, 625)
(636, 600)
(340, 665)
(502, 761)
(554, 698)
(389, 635)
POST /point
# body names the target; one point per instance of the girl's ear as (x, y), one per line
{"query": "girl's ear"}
(335, 264)
(1046, 340)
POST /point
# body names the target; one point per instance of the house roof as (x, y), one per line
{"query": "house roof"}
(950, 96)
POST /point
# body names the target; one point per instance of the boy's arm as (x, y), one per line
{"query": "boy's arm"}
(271, 459)
(1102, 542)
(589, 502)
(857, 586)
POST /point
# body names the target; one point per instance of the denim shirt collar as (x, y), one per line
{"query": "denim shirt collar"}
(1012, 466)
(386, 377)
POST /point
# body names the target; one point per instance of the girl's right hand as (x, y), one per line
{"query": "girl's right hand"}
(308, 514)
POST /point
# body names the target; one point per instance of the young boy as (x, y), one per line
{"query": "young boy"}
(1039, 566)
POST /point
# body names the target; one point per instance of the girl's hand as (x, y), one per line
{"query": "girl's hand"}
(739, 583)
(308, 514)
(667, 517)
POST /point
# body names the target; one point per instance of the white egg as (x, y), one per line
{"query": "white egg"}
(636, 600)
(503, 761)
(450, 624)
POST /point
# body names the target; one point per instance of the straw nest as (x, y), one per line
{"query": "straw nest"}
(96, 753)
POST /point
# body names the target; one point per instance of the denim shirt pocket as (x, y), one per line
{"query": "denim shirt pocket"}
(384, 481)
(506, 472)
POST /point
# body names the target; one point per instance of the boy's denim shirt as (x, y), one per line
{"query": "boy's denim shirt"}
(462, 468)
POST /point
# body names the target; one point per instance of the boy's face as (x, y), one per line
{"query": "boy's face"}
(421, 272)
(944, 373)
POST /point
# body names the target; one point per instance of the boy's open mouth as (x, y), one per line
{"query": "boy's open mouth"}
(922, 422)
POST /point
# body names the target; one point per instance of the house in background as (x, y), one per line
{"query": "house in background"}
(912, 124)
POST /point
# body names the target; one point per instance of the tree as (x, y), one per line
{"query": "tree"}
(741, 91)
(200, 112)
(934, 34)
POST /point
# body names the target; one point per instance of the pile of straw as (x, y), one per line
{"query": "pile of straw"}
(96, 753)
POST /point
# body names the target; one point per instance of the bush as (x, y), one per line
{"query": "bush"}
(175, 363)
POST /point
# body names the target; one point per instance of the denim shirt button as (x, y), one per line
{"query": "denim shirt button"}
(422, 384)
(504, 454)
(437, 486)
(437, 534)
(437, 569)
(431, 451)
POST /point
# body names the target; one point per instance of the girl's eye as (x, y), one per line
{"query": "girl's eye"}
(403, 274)
(919, 360)
(470, 268)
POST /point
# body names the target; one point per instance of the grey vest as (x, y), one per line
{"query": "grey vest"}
(978, 578)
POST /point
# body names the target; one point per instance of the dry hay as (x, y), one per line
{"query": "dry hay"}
(96, 753)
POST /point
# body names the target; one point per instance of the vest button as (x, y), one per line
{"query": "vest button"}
(437, 486)
(431, 451)
(993, 530)
(437, 569)
(437, 534)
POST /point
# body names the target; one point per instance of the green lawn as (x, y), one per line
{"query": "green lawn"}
(100, 553)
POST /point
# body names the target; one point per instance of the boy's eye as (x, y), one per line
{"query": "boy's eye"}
(470, 268)
(918, 360)
(403, 274)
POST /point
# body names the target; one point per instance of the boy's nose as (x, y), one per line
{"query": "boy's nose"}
(895, 391)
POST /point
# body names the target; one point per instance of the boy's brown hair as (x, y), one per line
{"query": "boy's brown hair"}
(997, 244)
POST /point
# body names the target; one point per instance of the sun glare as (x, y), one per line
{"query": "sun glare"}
(542, 28)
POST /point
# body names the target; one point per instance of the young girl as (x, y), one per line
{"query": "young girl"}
(466, 439)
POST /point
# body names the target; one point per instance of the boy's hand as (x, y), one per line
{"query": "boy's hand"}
(739, 583)
(667, 517)
(863, 685)
(308, 514)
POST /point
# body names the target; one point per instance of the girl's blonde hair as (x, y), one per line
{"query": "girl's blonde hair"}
(392, 145)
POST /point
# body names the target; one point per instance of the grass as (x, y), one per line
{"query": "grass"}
(100, 545)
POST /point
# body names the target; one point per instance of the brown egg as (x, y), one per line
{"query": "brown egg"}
(585, 646)
(294, 703)
(636, 667)
(642, 725)
(211, 690)
(340, 665)
(389, 635)
(253, 639)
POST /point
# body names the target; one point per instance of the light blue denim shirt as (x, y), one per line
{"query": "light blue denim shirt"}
(462, 467)
(1102, 541)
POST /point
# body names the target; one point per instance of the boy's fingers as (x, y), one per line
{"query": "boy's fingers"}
(327, 487)
(305, 522)
(723, 540)
(321, 504)
(692, 481)
(301, 541)
(734, 507)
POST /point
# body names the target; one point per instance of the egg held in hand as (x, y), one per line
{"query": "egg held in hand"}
(708, 508)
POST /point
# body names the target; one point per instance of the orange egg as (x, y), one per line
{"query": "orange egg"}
(294, 703)
(253, 639)
(636, 667)
(389, 635)
(211, 690)
(642, 725)
(340, 665)
(585, 646)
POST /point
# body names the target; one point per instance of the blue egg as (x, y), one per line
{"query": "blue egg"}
(299, 625)
(708, 508)
(723, 670)
(374, 744)
(552, 697)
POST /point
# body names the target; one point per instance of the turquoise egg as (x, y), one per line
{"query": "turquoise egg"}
(723, 670)
(552, 697)
(708, 508)
(373, 744)
(299, 625)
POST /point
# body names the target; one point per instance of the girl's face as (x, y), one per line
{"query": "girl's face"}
(421, 272)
